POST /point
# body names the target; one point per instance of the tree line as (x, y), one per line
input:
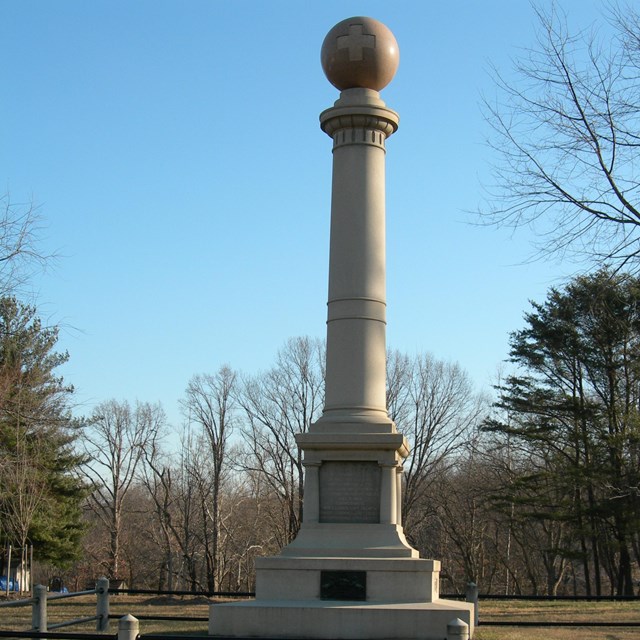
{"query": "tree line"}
(534, 492)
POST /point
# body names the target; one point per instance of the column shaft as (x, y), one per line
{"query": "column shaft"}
(356, 323)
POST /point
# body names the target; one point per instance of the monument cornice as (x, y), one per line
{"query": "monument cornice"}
(353, 442)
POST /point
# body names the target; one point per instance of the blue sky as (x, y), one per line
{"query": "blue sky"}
(175, 152)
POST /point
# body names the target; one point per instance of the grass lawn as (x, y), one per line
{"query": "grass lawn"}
(558, 611)
(501, 610)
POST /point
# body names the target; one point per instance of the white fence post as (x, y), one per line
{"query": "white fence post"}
(128, 628)
(102, 605)
(39, 608)
(472, 596)
(457, 630)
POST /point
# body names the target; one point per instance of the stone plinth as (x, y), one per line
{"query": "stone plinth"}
(340, 620)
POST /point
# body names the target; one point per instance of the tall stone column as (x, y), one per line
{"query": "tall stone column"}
(355, 443)
(359, 124)
(350, 572)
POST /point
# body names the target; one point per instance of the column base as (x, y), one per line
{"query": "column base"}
(319, 540)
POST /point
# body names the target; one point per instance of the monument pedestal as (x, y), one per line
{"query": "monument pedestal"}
(349, 573)
(366, 579)
(393, 598)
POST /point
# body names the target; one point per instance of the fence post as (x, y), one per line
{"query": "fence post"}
(457, 630)
(128, 628)
(8, 568)
(472, 596)
(102, 604)
(39, 608)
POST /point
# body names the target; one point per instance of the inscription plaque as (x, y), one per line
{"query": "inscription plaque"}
(350, 492)
(343, 585)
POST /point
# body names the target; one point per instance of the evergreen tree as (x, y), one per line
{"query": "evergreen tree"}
(40, 492)
(574, 410)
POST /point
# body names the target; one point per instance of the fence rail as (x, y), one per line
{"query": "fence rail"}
(41, 597)
(70, 623)
(62, 635)
(559, 623)
(75, 594)
(448, 596)
(497, 596)
(17, 603)
(207, 594)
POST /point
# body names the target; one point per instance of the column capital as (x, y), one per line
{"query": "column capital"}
(360, 109)
(374, 119)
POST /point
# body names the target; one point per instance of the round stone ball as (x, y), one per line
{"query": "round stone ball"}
(360, 52)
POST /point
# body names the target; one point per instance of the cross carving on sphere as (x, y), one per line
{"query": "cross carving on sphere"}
(356, 41)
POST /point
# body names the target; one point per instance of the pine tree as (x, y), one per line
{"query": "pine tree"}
(40, 492)
(574, 407)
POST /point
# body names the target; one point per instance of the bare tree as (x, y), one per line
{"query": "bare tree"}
(114, 443)
(246, 534)
(19, 253)
(182, 510)
(158, 478)
(399, 366)
(209, 405)
(280, 404)
(567, 136)
(23, 488)
(435, 407)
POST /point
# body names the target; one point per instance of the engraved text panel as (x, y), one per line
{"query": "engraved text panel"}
(350, 492)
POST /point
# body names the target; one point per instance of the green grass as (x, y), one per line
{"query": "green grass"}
(500, 610)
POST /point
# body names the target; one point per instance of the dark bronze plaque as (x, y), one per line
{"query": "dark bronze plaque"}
(343, 585)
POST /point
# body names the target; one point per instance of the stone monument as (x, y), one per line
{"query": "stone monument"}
(350, 572)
